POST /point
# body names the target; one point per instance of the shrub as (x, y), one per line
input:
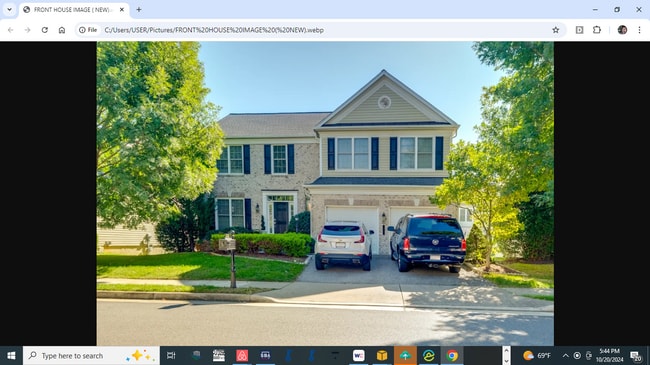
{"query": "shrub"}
(290, 244)
(304, 223)
(476, 246)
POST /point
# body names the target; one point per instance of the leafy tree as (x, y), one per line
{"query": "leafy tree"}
(518, 112)
(538, 236)
(157, 138)
(170, 234)
(518, 119)
(477, 177)
(179, 232)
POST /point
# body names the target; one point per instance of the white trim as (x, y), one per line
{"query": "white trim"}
(268, 219)
(278, 140)
(286, 159)
(388, 190)
(352, 139)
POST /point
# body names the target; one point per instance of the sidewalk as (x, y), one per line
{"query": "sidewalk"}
(392, 295)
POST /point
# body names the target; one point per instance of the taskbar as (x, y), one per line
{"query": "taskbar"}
(323, 355)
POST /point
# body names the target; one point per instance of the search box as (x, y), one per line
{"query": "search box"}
(90, 355)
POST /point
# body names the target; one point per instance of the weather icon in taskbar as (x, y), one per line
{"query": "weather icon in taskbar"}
(528, 355)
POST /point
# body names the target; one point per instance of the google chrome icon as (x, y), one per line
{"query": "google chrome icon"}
(528, 355)
(452, 355)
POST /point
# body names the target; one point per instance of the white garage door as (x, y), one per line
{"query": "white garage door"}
(397, 212)
(369, 216)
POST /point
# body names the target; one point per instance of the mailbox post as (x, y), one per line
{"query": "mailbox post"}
(230, 244)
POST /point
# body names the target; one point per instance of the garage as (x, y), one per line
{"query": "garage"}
(369, 216)
(397, 212)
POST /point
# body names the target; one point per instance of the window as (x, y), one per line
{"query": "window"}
(416, 153)
(464, 215)
(230, 213)
(279, 159)
(353, 153)
(231, 161)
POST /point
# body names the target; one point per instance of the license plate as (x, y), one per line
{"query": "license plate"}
(340, 245)
(434, 257)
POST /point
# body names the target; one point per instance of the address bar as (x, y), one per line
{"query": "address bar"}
(384, 30)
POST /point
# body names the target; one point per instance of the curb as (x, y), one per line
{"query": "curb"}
(254, 298)
(115, 294)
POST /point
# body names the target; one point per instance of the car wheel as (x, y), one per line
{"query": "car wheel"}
(319, 264)
(366, 264)
(454, 269)
(402, 264)
(392, 253)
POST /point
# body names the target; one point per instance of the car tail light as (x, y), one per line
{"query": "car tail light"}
(463, 245)
(361, 240)
(320, 239)
(407, 244)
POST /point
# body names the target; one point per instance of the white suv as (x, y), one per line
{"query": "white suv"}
(343, 242)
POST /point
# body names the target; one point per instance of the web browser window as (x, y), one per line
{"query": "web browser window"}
(285, 115)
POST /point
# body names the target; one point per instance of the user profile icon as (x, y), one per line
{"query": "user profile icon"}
(622, 29)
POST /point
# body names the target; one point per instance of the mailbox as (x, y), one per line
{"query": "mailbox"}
(227, 244)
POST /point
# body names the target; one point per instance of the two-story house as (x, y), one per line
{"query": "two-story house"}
(375, 158)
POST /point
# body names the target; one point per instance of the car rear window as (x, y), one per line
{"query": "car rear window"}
(341, 230)
(434, 226)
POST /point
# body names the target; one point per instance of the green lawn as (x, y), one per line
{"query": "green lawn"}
(195, 266)
(206, 266)
(530, 275)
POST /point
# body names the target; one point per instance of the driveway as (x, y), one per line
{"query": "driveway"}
(384, 271)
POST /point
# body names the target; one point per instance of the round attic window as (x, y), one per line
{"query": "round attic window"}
(383, 102)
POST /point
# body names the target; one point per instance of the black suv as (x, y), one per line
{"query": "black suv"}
(433, 239)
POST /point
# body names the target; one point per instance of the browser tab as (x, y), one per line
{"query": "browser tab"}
(72, 10)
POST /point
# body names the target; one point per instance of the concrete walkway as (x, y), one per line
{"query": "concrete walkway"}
(463, 297)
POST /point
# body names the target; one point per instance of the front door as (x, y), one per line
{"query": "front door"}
(281, 216)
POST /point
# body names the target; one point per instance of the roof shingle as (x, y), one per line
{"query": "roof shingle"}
(236, 125)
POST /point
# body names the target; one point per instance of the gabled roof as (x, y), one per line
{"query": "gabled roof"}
(253, 125)
(384, 77)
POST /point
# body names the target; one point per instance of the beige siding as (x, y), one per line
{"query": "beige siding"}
(400, 109)
(384, 153)
(128, 241)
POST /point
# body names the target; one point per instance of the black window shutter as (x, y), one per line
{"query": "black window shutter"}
(267, 158)
(247, 214)
(330, 153)
(290, 162)
(374, 162)
(247, 159)
(439, 146)
(393, 153)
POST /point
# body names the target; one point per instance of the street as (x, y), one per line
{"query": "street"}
(195, 323)
(310, 315)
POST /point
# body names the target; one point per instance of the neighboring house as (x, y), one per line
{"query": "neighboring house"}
(128, 241)
(375, 158)
(465, 220)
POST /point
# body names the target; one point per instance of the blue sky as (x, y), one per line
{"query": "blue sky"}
(276, 77)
